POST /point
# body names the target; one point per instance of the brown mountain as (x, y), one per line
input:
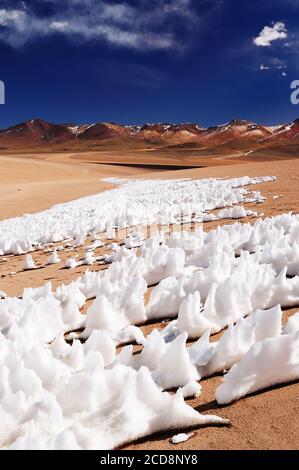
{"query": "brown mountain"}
(34, 132)
(237, 134)
(286, 133)
(102, 131)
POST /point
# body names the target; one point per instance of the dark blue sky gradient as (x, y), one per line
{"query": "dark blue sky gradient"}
(211, 77)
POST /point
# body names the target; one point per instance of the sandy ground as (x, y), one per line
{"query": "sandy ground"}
(267, 420)
(34, 184)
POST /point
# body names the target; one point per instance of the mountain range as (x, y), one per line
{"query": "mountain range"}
(246, 135)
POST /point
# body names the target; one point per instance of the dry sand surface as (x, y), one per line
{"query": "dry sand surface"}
(267, 420)
(29, 184)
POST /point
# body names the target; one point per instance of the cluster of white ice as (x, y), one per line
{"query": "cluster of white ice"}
(207, 280)
(59, 396)
(173, 364)
(247, 286)
(204, 279)
(255, 350)
(232, 271)
(55, 395)
(138, 202)
(269, 362)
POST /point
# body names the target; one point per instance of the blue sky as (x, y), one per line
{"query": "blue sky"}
(204, 61)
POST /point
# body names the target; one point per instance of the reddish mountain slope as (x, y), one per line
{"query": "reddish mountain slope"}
(34, 132)
(286, 133)
(237, 134)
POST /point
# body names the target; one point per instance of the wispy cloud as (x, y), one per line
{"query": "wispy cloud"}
(263, 67)
(269, 34)
(144, 25)
(274, 64)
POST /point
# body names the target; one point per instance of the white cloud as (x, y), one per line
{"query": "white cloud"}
(11, 18)
(264, 67)
(61, 26)
(270, 34)
(274, 63)
(146, 26)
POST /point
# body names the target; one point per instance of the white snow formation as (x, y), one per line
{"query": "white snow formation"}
(269, 362)
(178, 438)
(29, 263)
(137, 202)
(85, 395)
(54, 258)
